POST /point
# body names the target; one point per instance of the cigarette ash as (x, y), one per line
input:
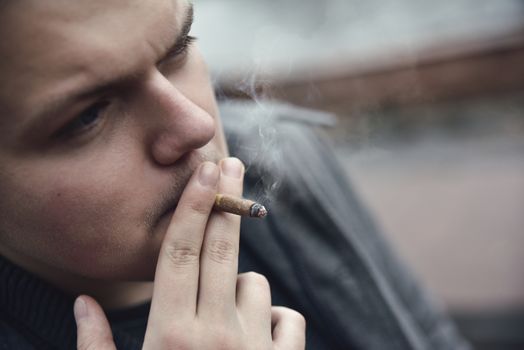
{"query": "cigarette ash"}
(257, 210)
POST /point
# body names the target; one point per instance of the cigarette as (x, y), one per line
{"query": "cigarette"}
(239, 206)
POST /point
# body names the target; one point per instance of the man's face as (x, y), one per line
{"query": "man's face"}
(104, 115)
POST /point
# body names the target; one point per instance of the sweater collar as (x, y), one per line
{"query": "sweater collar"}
(37, 309)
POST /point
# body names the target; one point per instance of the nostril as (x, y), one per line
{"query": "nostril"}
(204, 130)
(165, 149)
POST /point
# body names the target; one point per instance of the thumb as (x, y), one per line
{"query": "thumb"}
(93, 331)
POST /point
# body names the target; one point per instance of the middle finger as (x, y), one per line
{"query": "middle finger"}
(219, 257)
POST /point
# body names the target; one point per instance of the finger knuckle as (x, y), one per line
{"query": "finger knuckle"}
(199, 207)
(296, 317)
(224, 340)
(300, 320)
(182, 253)
(257, 279)
(174, 340)
(221, 250)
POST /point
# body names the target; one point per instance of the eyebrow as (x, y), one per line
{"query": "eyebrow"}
(55, 105)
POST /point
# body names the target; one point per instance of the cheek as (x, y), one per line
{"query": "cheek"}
(75, 219)
(75, 208)
(69, 218)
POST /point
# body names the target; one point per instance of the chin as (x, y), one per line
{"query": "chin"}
(140, 269)
(134, 260)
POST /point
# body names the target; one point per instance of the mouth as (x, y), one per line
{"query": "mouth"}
(186, 167)
(172, 197)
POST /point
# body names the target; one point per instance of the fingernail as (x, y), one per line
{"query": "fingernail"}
(80, 309)
(232, 167)
(208, 175)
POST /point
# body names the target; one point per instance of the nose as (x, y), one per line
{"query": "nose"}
(177, 124)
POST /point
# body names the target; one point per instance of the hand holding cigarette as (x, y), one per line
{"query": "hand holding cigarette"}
(197, 271)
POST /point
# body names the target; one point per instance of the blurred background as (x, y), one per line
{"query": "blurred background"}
(429, 97)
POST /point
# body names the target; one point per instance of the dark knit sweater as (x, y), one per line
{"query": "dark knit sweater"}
(34, 315)
(319, 249)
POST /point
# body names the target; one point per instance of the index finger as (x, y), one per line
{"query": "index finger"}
(177, 272)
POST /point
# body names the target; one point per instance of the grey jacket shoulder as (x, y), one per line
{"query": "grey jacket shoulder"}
(336, 264)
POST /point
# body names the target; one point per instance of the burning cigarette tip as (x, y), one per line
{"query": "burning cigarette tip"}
(257, 210)
(239, 206)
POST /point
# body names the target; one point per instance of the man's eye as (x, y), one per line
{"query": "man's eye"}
(181, 50)
(84, 121)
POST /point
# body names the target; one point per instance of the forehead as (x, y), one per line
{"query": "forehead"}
(56, 44)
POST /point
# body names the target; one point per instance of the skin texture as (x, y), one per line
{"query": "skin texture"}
(91, 206)
(111, 154)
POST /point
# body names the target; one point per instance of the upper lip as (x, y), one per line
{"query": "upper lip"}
(191, 160)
